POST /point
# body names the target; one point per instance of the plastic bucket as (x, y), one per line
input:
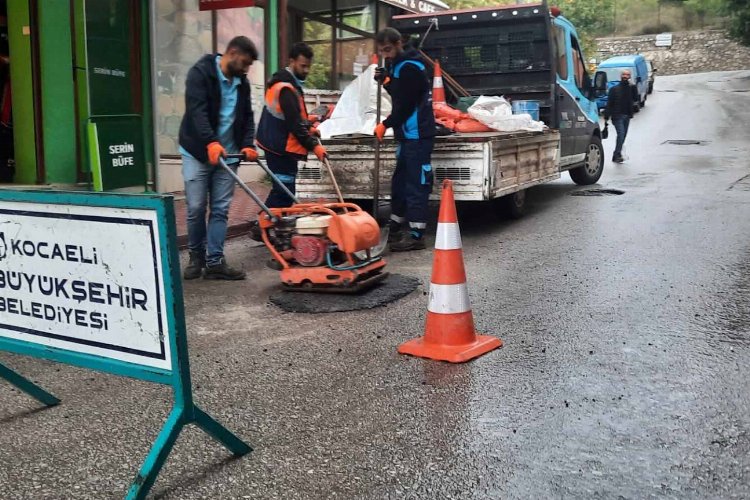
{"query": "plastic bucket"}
(527, 107)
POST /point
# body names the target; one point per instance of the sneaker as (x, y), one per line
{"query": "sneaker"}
(255, 232)
(618, 159)
(410, 241)
(194, 269)
(222, 271)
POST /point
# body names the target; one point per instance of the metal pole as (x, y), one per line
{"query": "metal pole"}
(273, 40)
(246, 189)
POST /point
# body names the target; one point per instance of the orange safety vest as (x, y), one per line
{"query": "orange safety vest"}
(273, 135)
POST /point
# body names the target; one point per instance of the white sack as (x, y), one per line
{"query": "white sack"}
(497, 113)
(355, 112)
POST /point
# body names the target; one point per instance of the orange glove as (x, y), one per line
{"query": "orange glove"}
(320, 152)
(250, 154)
(314, 132)
(380, 131)
(215, 150)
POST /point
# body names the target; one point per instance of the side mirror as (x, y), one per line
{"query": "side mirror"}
(638, 80)
(654, 70)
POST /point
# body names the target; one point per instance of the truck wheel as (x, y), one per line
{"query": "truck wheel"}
(593, 165)
(514, 205)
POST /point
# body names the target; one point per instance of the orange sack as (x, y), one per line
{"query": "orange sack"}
(471, 125)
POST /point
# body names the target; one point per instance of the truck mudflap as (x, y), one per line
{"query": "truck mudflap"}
(482, 166)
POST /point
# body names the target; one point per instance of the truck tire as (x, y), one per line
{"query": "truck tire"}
(593, 165)
(514, 205)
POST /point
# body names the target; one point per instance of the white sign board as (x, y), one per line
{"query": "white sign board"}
(417, 6)
(84, 279)
(664, 40)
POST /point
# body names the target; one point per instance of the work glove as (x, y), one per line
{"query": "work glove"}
(380, 75)
(215, 151)
(320, 152)
(314, 132)
(379, 132)
(250, 154)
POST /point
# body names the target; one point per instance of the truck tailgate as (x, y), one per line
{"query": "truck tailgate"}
(481, 165)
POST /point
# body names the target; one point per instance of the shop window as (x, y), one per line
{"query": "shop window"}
(183, 35)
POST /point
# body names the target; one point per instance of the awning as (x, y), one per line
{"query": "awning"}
(419, 6)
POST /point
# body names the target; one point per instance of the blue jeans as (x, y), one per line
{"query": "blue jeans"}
(412, 182)
(285, 168)
(621, 123)
(204, 183)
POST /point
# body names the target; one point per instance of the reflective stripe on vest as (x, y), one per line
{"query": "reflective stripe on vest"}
(273, 106)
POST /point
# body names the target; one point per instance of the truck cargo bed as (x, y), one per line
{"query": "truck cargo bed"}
(483, 166)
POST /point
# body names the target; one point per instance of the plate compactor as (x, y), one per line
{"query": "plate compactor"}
(319, 247)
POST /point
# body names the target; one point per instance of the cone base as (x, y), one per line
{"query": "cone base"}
(450, 353)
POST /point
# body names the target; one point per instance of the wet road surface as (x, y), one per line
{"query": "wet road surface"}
(626, 322)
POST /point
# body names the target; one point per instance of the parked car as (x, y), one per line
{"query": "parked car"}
(639, 77)
(651, 75)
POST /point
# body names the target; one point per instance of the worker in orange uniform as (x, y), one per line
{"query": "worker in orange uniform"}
(285, 132)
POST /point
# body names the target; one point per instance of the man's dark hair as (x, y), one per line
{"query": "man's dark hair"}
(300, 49)
(388, 35)
(245, 45)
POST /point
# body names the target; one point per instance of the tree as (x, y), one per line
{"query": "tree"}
(739, 13)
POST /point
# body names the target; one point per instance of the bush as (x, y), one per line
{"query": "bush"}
(655, 29)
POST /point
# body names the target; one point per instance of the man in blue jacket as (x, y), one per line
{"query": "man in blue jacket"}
(218, 121)
(413, 124)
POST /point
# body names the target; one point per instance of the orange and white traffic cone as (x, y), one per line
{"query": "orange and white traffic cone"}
(438, 90)
(449, 330)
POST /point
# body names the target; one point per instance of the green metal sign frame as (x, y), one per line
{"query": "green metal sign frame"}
(184, 410)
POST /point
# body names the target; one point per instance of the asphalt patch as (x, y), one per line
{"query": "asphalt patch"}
(686, 142)
(597, 192)
(395, 287)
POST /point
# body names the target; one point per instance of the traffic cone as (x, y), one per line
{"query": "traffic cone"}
(438, 90)
(449, 330)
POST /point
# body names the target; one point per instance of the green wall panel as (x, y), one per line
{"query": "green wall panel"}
(58, 101)
(23, 91)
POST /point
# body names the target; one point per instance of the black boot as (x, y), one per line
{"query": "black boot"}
(411, 240)
(194, 269)
(395, 230)
(222, 271)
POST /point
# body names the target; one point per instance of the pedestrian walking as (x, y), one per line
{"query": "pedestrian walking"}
(413, 124)
(218, 121)
(620, 108)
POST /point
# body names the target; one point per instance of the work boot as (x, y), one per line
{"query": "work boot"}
(410, 240)
(194, 269)
(395, 232)
(222, 271)
(255, 232)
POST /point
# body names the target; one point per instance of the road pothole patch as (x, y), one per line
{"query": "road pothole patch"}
(686, 142)
(395, 287)
(598, 192)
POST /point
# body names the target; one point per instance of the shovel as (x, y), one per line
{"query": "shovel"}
(385, 230)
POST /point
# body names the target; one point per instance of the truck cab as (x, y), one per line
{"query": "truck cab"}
(524, 52)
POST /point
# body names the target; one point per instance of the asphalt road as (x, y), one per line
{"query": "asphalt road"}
(624, 371)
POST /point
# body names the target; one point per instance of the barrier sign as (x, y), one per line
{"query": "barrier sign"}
(92, 280)
(86, 279)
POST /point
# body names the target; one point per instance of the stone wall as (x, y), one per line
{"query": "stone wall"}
(691, 52)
